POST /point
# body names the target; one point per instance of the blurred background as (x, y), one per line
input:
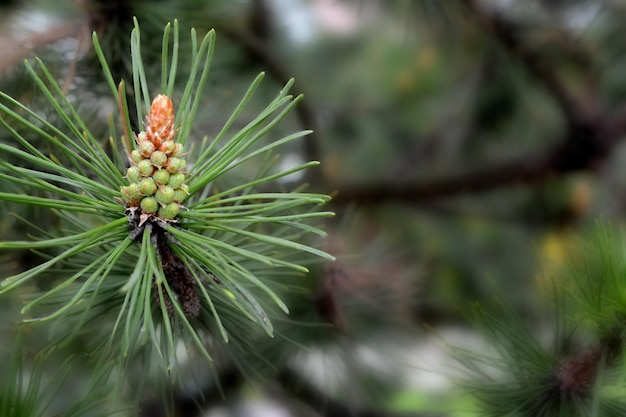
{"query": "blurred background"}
(470, 146)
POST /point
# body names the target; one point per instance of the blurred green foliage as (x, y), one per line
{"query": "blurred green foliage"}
(467, 143)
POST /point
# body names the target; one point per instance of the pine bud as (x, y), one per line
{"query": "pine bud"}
(164, 195)
(146, 148)
(168, 147)
(149, 205)
(161, 177)
(176, 180)
(147, 186)
(158, 158)
(169, 211)
(173, 164)
(136, 156)
(157, 178)
(133, 174)
(160, 120)
(131, 194)
(181, 193)
(178, 150)
(145, 168)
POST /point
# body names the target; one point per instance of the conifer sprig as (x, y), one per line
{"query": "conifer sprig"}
(578, 371)
(26, 391)
(156, 244)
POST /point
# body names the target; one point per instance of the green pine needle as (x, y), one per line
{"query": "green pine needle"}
(27, 391)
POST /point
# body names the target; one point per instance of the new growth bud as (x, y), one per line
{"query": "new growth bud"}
(149, 205)
(158, 158)
(160, 121)
(176, 180)
(165, 195)
(161, 177)
(168, 147)
(135, 156)
(146, 149)
(156, 176)
(169, 211)
(147, 186)
(145, 168)
(133, 174)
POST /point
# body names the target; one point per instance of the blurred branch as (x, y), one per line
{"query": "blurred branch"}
(589, 136)
(506, 33)
(15, 50)
(584, 147)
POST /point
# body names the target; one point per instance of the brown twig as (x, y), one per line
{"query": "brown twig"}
(583, 148)
(506, 33)
(589, 136)
(14, 50)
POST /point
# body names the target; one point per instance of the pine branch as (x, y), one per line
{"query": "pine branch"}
(506, 34)
(129, 251)
(577, 371)
(589, 137)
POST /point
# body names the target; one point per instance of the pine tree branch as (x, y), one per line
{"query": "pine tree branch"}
(507, 35)
(588, 139)
(583, 148)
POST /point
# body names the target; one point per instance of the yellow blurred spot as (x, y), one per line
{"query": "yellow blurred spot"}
(426, 59)
(557, 250)
(406, 80)
(553, 249)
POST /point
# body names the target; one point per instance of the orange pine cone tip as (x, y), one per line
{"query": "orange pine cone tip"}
(160, 120)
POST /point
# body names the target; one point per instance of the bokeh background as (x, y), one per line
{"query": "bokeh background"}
(470, 146)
